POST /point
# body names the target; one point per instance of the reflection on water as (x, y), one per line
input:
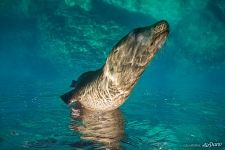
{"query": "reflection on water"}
(106, 130)
(103, 130)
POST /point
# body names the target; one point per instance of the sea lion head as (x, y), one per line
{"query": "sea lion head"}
(130, 56)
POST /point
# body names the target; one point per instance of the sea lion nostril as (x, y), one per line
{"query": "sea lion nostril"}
(161, 27)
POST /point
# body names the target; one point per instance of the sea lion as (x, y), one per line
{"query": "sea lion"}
(108, 87)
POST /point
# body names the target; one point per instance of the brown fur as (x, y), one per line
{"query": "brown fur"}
(107, 88)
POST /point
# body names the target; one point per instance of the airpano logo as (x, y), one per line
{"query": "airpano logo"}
(205, 145)
(212, 144)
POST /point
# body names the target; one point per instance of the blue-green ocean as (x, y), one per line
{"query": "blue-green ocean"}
(178, 103)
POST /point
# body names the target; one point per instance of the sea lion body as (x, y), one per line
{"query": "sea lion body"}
(108, 87)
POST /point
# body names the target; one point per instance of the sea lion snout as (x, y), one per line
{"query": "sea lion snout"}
(161, 26)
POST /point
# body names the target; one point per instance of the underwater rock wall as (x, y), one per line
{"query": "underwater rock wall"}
(171, 10)
(75, 33)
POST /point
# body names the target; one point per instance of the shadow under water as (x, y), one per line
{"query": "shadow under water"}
(98, 130)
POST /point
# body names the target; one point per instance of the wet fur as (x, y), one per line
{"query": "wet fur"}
(108, 87)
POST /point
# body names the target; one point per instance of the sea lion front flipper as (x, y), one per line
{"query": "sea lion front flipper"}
(67, 97)
(73, 84)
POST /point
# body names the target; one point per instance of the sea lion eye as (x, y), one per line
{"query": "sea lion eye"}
(151, 43)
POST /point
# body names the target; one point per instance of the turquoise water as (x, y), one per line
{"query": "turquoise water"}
(179, 102)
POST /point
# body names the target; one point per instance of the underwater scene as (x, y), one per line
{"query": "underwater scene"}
(177, 104)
